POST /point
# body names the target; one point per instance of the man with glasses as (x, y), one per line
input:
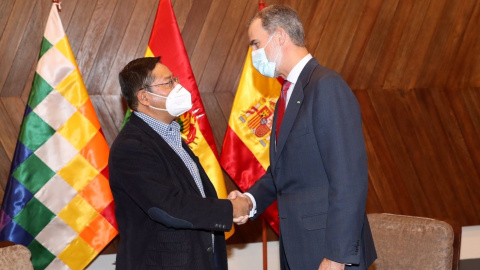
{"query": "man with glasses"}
(167, 210)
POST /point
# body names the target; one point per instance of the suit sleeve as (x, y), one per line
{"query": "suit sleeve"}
(264, 192)
(139, 172)
(337, 125)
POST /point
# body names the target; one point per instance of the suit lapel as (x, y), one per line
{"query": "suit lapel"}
(208, 187)
(294, 104)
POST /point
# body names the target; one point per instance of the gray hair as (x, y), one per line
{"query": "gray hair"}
(275, 16)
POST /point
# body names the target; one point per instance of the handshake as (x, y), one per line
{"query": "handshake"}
(241, 206)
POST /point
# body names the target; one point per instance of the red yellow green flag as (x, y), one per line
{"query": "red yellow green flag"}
(166, 41)
(245, 152)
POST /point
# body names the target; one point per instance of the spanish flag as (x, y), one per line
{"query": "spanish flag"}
(245, 151)
(166, 41)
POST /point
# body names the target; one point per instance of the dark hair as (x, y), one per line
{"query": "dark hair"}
(275, 16)
(135, 76)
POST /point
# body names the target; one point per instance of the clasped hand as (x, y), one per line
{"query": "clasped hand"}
(241, 206)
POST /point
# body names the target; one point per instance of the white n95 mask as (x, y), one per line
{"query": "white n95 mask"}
(178, 102)
(261, 63)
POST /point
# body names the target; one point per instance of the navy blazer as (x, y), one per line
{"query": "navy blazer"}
(163, 221)
(318, 173)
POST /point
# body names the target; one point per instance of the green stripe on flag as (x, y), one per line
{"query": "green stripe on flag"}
(46, 45)
(34, 211)
(33, 173)
(41, 257)
(40, 89)
(35, 131)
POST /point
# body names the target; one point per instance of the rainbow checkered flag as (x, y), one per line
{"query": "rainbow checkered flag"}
(58, 201)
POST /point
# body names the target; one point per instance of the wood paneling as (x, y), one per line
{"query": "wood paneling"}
(413, 65)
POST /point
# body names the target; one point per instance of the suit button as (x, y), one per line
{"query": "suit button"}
(224, 226)
(209, 249)
(279, 193)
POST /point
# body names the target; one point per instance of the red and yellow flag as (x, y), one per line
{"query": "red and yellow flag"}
(166, 41)
(245, 152)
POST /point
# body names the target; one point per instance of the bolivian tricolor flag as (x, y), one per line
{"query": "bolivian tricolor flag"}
(245, 151)
(58, 201)
(166, 42)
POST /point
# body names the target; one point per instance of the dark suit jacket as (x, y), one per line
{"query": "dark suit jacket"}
(163, 221)
(318, 173)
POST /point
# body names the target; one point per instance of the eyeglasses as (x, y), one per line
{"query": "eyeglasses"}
(167, 85)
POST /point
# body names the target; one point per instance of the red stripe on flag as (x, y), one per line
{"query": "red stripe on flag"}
(109, 214)
(244, 168)
(166, 42)
(271, 215)
(239, 162)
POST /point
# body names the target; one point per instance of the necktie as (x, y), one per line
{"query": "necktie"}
(282, 104)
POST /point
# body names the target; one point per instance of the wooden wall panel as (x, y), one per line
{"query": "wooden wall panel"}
(95, 30)
(205, 43)
(231, 70)
(315, 26)
(373, 49)
(194, 24)
(470, 123)
(465, 63)
(83, 12)
(181, 9)
(11, 37)
(95, 77)
(378, 151)
(413, 65)
(6, 6)
(22, 62)
(429, 153)
(129, 44)
(406, 44)
(341, 23)
(8, 136)
(221, 47)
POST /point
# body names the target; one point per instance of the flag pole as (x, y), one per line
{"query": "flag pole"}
(264, 240)
(261, 4)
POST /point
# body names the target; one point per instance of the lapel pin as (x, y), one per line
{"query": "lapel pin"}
(298, 101)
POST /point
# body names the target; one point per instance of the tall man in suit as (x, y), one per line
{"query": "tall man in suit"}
(318, 163)
(167, 209)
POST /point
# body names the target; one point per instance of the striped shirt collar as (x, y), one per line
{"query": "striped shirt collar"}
(166, 131)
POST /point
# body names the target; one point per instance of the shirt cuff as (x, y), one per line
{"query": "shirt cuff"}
(254, 208)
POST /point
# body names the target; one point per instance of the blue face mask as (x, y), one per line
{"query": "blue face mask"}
(261, 63)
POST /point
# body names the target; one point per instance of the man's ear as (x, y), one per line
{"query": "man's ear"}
(282, 36)
(142, 97)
